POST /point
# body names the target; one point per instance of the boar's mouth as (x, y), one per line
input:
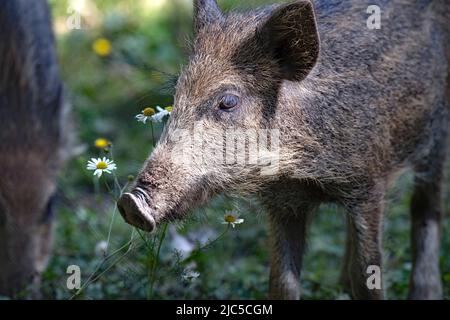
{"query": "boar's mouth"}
(135, 210)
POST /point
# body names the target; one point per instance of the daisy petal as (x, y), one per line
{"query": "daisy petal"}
(98, 173)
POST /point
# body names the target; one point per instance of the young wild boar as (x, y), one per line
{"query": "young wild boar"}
(346, 108)
(33, 131)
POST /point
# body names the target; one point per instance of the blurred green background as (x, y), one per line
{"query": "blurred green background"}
(148, 41)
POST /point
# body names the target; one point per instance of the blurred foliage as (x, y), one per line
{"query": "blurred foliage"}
(149, 41)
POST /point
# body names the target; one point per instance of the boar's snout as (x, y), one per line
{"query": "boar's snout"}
(136, 212)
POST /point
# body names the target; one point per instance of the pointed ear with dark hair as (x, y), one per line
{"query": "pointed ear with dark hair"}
(205, 12)
(290, 35)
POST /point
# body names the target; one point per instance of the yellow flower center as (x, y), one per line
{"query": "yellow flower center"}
(148, 112)
(101, 143)
(229, 218)
(102, 47)
(102, 165)
(169, 108)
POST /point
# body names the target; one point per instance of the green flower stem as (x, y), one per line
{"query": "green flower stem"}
(153, 134)
(156, 261)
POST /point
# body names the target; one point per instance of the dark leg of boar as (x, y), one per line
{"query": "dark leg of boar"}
(288, 228)
(426, 212)
(32, 143)
(365, 250)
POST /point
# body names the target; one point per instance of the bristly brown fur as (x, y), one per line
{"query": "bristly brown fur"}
(354, 108)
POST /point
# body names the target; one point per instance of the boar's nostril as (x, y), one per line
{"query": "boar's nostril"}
(135, 212)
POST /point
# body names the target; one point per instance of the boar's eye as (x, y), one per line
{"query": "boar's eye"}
(229, 101)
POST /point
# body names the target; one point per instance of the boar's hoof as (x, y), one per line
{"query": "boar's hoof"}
(136, 212)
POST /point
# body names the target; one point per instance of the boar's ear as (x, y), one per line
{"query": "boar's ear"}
(290, 35)
(205, 12)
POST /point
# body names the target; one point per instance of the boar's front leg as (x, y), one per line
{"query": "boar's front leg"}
(427, 211)
(287, 236)
(365, 221)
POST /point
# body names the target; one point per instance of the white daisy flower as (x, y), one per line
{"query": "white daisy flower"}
(146, 114)
(99, 165)
(189, 275)
(232, 218)
(151, 114)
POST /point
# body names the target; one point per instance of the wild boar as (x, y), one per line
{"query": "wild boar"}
(33, 140)
(353, 107)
